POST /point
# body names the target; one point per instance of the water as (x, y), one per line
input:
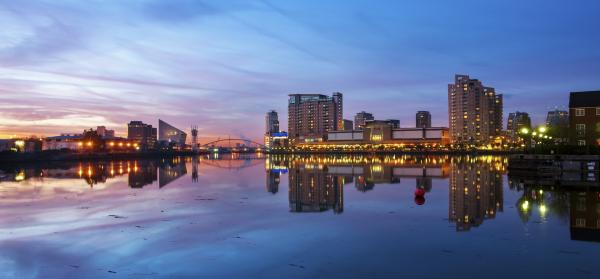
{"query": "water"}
(293, 217)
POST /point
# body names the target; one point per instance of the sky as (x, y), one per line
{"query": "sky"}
(221, 65)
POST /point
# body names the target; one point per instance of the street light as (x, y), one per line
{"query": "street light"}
(524, 130)
(542, 129)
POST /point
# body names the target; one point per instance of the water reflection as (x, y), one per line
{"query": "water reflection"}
(320, 183)
(577, 205)
(475, 192)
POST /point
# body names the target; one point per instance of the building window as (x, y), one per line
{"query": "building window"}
(580, 129)
(580, 223)
(579, 112)
(581, 142)
(597, 111)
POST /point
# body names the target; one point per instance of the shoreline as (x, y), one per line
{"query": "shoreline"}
(59, 156)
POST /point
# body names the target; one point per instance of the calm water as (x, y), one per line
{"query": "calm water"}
(293, 217)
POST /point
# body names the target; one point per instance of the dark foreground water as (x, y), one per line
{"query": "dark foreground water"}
(293, 217)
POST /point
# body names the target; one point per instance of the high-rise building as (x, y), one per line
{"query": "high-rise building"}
(584, 118)
(271, 123)
(348, 125)
(142, 133)
(423, 119)
(557, 122)
(168, 133)
(475, 111)
(517, 121)
(311, 116)
(361, 119)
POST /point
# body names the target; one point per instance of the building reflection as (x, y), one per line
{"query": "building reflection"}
(312, 189)
(139, 173)
(317, 183)
(144, 173)
(170, 170)
(475, 191)
(577, 205)
(585, 216)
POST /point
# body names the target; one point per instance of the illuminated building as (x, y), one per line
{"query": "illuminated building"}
(475, 193)
(361, 118)
(584, 118)
(169, 134)
(423, 119)
(517, 121)
(312, 116)
(63, 142)
(273, 136)
(275, 140)
(381, 132)
(475, 111)
(142, 133)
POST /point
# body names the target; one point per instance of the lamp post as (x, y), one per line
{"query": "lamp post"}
(525, 134)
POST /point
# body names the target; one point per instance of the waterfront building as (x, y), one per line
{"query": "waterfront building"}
(25, 145)
(584, 118)
(381, 132)
(141, 133)
(271, 122)
(361, 118)
(348, 125)
(557, 122)
(312, 116)
(475, 111)
(517, 121)
(423, 119)
(273, 136)
(169, 134)
(62, 142)
(275, 140)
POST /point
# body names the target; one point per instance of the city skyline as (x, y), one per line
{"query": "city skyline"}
(69, 66)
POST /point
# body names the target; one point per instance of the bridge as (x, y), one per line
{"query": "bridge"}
(234, 145)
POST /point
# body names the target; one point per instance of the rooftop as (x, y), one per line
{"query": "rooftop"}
(584, 99)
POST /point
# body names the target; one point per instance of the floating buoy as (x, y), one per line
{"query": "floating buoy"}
(419, 192)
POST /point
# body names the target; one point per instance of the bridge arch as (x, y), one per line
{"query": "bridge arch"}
(250, 142)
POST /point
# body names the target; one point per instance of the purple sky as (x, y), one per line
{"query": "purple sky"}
(70, 65)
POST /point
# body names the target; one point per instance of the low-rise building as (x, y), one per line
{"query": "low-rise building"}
(584, 118)
(381, 132)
